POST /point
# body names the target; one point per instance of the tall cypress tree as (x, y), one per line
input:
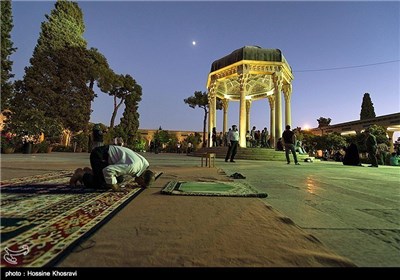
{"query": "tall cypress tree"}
(367, 108)
(6, 51)
(57, 80)
(64, 28)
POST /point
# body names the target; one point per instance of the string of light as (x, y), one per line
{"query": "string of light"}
(347, 67)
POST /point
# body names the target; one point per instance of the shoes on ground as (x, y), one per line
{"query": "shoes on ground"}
(288, 162)
(232, 160)
(373, 166)
(114, 187)
(297, 163)
(237, 176)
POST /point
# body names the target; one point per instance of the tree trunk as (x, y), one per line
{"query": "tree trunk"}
(114, 114)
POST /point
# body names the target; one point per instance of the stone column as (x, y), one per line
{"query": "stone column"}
(277, 78)
(271, 101)
(212, 102)
(242, 111)
(225, 106)
(248, 109)
(287, 90)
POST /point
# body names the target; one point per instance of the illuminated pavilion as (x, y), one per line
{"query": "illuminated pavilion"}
(246, 75)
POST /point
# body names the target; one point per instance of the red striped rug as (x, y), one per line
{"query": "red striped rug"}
(42, 218)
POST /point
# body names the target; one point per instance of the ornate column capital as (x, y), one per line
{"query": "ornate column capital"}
(271, 101)
(287, 91)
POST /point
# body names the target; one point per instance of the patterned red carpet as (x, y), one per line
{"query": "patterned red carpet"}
(42, 218)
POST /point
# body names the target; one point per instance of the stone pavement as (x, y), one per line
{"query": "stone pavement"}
(355, 211)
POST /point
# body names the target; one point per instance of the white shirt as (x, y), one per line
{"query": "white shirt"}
(123, 161)
(233, 135)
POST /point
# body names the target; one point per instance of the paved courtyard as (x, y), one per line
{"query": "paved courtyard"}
(355, 211)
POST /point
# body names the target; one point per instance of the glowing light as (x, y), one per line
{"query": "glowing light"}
(306, 127)
(194, 43)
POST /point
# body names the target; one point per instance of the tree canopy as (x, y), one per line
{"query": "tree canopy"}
(323, 122)
(56, 82)
(129, 123)
(64, 28)
(7, 49)
(367, 108)
(122, 86)
(200, 99)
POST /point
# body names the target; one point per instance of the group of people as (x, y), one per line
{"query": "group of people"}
(110, 164)
(256, 138)
(288, 143)
(288, 140)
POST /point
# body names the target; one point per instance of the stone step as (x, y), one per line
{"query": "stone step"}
(249, 153)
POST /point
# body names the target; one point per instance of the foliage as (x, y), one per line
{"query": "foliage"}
(162, 136)
(195, 139)
(55, 83)
(81, 139)
(9, 140)
(33, 123)
(6, 51)
(378, 131)
(99, 70)
(367, 108)
(129, 122)
(323, 122)
(324, 142)
(64, 28)
(336, 141)
(200, 99)
(42, 146)
(122, 87)
(138, 145)
(62, 148)
(52, 131)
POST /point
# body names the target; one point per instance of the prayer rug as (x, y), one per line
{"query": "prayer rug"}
(42, 217)
(217, 188)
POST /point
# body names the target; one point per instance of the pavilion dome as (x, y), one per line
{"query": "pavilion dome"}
(248, 53)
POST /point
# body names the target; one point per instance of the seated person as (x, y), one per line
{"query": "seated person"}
(394, 159)
(352, 157)
(279, 145)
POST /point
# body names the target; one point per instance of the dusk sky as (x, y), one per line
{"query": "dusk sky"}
(338, 51)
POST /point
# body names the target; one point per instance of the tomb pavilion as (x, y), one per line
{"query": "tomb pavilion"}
(246, 75)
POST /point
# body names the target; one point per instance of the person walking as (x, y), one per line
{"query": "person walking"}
(289, 139)
(370, 143)
(233, 140)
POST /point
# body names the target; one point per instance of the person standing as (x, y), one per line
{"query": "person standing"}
(370, 143)
(289, 139)
(97, 136)
(233, 140)
(214, 137)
